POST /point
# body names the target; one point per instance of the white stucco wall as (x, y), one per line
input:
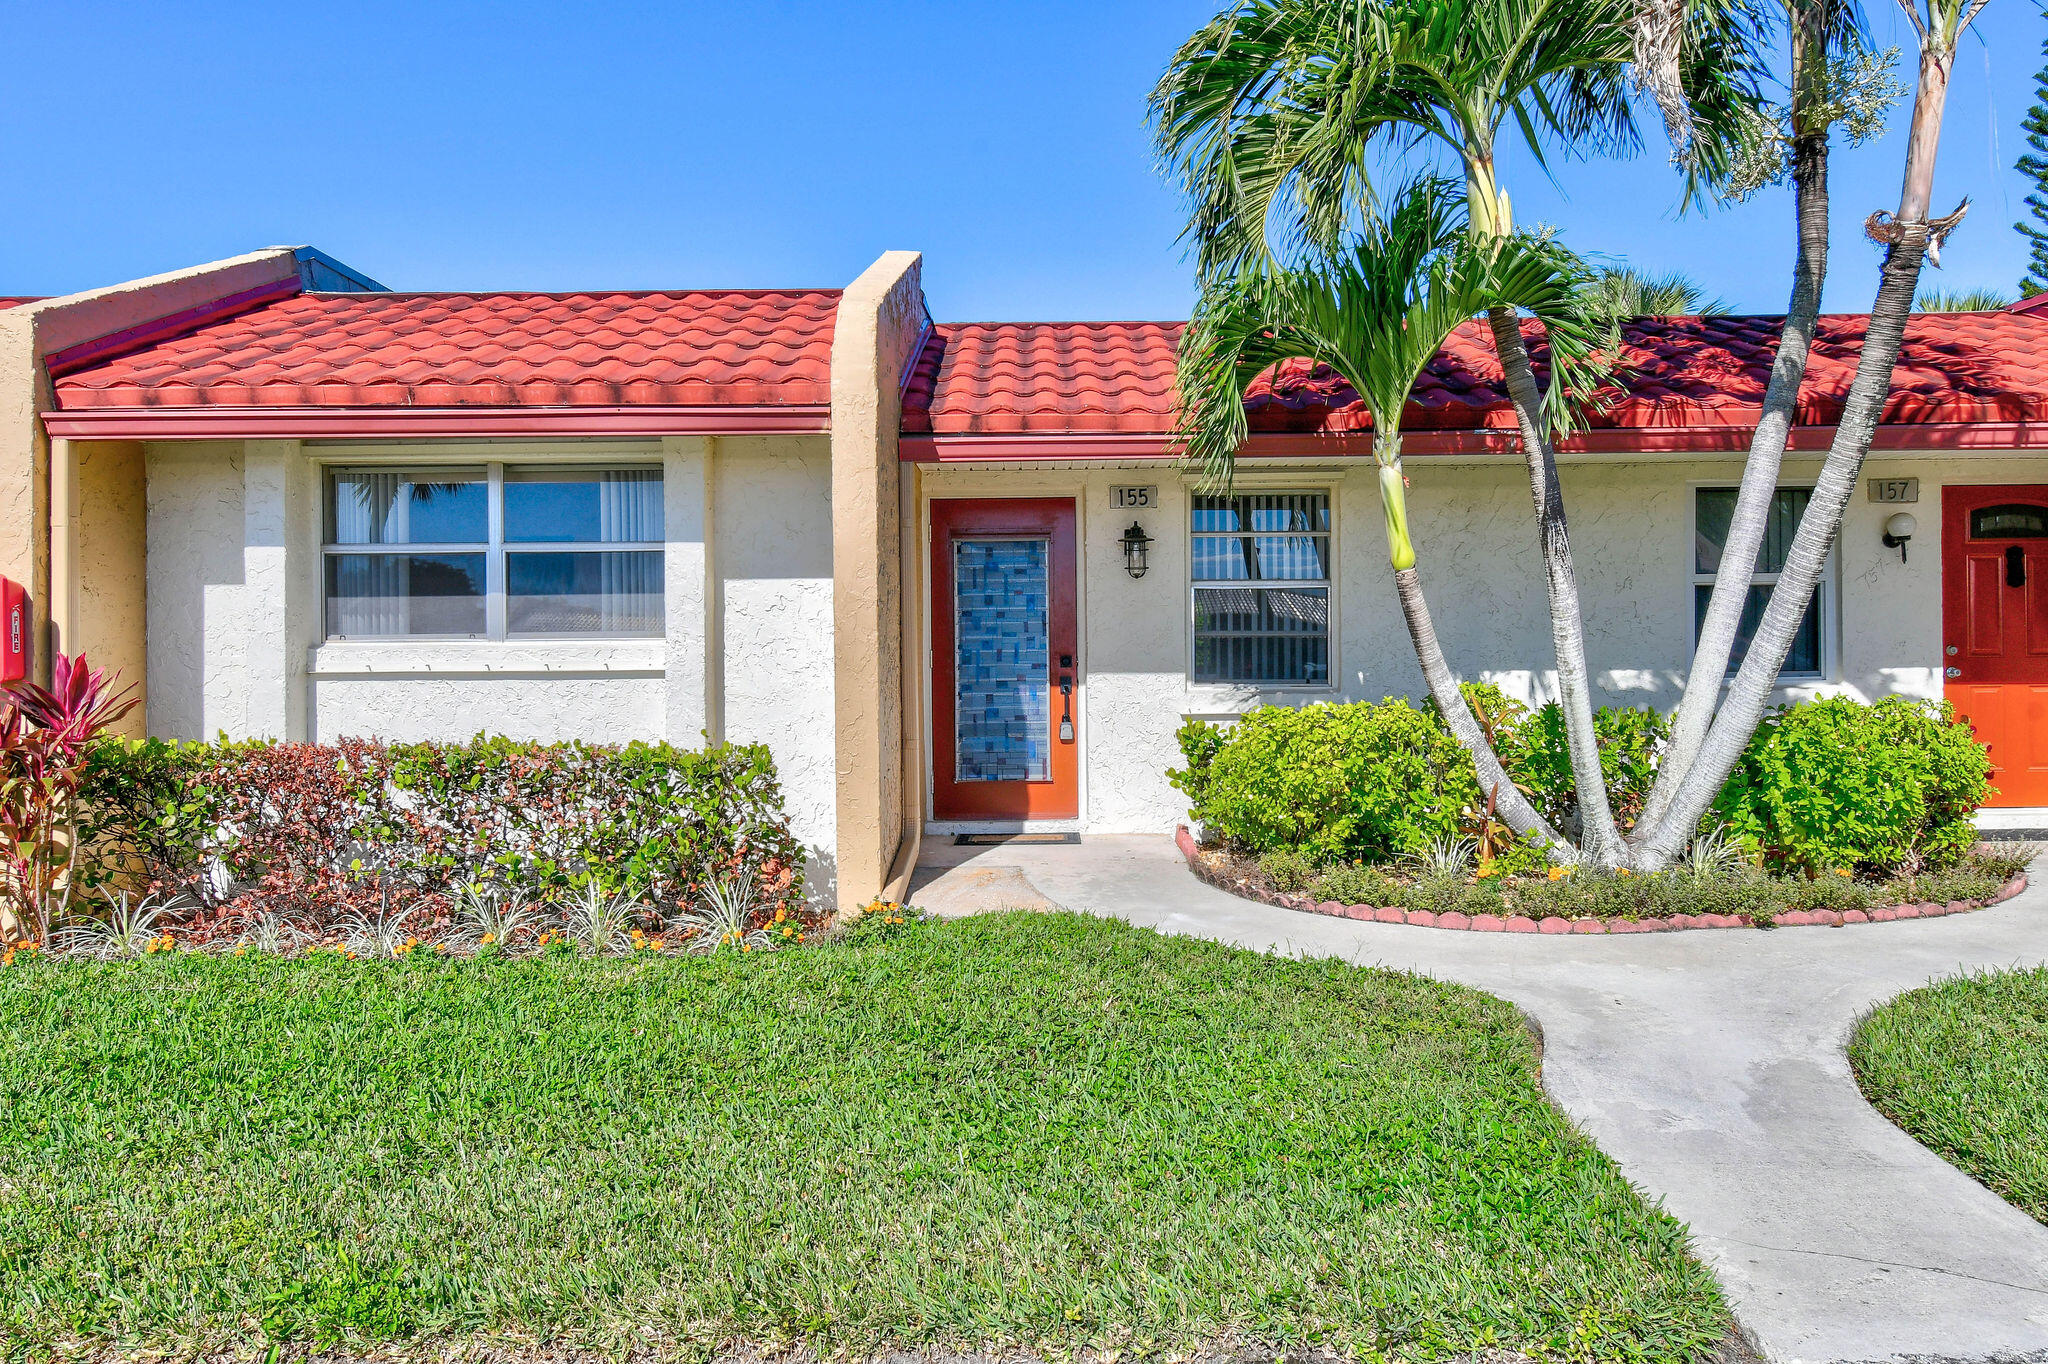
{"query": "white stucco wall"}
(196, 614)
(599, 691)
(772, 566)
(1630, 523)
(235, 600)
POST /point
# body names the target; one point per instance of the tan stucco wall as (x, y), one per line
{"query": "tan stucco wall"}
(881, 317)
(100, 540)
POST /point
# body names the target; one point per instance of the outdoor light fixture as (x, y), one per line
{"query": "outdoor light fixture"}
(1135, 542)
(1899, 528)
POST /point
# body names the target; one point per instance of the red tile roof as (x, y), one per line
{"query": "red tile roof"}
(708, 347)
(1083, 378)
(15, 302)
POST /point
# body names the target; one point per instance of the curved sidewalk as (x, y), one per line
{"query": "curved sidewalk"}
(1712, 1067)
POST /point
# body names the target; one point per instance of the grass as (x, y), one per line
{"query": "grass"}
(1051, 1131)
(1963, 1067)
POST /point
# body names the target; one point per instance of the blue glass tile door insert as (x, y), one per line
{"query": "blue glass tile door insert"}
(1001, 712)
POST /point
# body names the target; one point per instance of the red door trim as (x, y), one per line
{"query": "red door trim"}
(1053, 517)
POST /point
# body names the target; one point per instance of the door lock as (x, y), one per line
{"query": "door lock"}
(1951, 672)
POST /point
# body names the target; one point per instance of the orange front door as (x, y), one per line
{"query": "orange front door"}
(1005, 692)
(1994, 615)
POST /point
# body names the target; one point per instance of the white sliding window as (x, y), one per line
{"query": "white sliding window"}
(494, 552)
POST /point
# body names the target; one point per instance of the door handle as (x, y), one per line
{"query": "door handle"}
(1066, 708)
(2015, 566)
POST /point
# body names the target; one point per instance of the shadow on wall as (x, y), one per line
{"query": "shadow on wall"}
(821, 878)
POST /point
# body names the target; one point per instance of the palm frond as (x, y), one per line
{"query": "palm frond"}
(1960, 301)
(1377, 312)
(1273, 115)
(1620, 292)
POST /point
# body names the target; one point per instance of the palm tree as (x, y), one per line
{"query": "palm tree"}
(1910, 236)
(1272, 114)
(1833, 79)
(1619, 293)
(1961, 301)
(1377, 311)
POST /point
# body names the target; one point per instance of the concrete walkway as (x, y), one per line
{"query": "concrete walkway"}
(1711, 1065)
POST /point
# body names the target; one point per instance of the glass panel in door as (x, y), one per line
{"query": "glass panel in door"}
(1001, 661)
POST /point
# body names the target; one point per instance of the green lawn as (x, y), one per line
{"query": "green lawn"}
(1048, 1130)
(1963, 1066)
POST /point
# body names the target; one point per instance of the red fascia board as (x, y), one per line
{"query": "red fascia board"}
(306, 423)
(87, 353)
(1703, 440)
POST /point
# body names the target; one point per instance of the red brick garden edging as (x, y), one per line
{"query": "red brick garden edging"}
(1490, 923)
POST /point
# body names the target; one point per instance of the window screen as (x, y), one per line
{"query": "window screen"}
(1261, 588)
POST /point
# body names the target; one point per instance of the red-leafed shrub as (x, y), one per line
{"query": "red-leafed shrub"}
(319, 833)
(45, 733)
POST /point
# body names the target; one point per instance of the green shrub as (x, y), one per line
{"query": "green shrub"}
(1503, 719)
(1287, 869)
(1631, 740)
(1836, 784)
(1354, 883)
(315, 833)
(1357, 782)
(1824, 786)
(1733, 889)
(1199, 743)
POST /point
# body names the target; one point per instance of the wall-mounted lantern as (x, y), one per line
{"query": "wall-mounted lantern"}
(1135, 543)
(1899, 528)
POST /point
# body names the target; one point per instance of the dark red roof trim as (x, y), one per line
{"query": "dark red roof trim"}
(131, 339)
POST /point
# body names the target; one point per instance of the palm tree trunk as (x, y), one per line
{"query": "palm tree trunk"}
(1822, 521)
(1599, 839)
(1751, 518)
(1511, 806)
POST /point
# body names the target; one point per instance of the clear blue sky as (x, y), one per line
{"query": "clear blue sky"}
(548, 146)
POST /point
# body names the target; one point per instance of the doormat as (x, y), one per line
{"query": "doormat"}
(991, 840)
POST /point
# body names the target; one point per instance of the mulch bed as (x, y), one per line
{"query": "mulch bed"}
(1225, 873)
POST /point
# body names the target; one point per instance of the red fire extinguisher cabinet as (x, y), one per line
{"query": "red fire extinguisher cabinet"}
(18, 626)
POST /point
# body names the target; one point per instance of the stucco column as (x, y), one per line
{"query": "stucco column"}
(691, 658)
(880, 322)
(281, 608)
(25, 468)
(62, 631)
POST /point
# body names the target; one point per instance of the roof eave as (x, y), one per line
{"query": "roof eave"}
(1716, 439)
(341, 423)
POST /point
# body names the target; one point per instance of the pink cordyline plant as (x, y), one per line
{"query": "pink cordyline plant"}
(44, 735)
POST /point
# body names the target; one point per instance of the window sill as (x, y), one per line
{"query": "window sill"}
(485, 657)
(1214, 700)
